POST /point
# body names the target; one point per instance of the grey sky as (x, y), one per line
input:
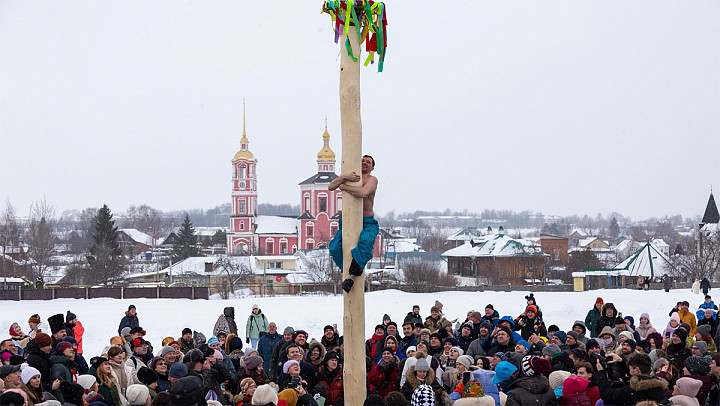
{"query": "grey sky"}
(555, 106)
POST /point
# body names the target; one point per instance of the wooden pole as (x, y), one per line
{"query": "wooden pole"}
(354, 302)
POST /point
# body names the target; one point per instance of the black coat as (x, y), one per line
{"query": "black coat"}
(604, 320)
(640, 388)
(530, 390)
(39, 360)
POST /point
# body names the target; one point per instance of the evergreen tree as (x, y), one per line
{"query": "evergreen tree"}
(220, 238)
(105, 258)
(614, 228)
(185, 241)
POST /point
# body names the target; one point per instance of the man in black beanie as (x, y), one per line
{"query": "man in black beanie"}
(188, 391)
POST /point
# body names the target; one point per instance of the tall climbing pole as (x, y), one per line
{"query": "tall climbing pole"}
(354, 23)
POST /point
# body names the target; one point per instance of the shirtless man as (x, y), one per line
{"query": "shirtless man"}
(364, 250)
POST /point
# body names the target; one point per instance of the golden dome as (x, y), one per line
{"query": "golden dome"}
(244, 154)
(326, 154)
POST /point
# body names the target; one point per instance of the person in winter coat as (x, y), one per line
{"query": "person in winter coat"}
(38, 357)
(686, 316)
(607, 319)
(254, 369)
(528, 323)
(531, 387)
(316, 355)
(679, 347)
(707, 317)
(119, 372)
(641, 386)
(267, 343)
(607, 340)
(644, 328)
(383, 377)
(503, 343)
(699, 368)
(418, 374)
(256, 326)
(130, 320)
(573, 392)
(432, 322)
(186, 340)
(226, 322)
(31, 385)
(63, 366)
(331, 377)
(581, 330)
(593, 315)
(160, 366)
(672, 325)
(695, 288)
(685, 392)
(705, 286)
(108, 386)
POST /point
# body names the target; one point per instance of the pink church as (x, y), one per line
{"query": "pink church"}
(253, 234)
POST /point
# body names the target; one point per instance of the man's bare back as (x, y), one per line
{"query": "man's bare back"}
(366, 191)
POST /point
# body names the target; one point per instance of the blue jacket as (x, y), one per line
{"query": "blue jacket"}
(265, 348)
(128, 321)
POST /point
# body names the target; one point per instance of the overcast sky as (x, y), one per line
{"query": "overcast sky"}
(555, 106)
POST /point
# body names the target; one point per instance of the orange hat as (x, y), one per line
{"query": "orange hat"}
(116, 340)
(531, 308)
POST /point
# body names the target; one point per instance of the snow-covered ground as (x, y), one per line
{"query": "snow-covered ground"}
(167, 317)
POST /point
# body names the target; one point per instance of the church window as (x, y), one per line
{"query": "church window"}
(242, 226)
(310, 230)
(269, 247)
(323, 205)
(241, 172)
(283, 248)
(333, 230)
(241, 206)
(310, 245)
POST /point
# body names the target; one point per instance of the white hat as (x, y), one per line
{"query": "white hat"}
(86, 381)
(264, 394)
(137, 394)
(28, 373)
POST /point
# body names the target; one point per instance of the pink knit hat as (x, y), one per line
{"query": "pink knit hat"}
(688, 386)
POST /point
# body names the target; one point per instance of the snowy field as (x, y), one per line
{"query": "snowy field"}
(167, 317)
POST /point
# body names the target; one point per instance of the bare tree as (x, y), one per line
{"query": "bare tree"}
(320, 267)
(436, 241)
(41, 238)
(701, 258)
(146, 219)
(234, 273)
(423, 276)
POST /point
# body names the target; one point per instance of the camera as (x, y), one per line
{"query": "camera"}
(294, 382)
(466, 376)
(600, 358)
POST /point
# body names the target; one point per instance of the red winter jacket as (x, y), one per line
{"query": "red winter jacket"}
(383, 383)
(333, 383)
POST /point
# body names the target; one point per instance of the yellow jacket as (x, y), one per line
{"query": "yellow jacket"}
(688, 317)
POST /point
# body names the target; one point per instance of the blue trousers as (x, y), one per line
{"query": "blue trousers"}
(366, 241)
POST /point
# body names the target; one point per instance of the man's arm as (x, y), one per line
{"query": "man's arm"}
(350, 177)
(361, 191)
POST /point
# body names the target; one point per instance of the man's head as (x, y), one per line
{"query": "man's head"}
(300, 337)
(639, 364)
(8, 345)
(187, 334)
(294, 352)
(407, 329)
(489, 310)
(434, 312)
(584, 370)
(272, 328)
(715, 366)
(503, 336)
(380, 330)
(684, 305)
(288, 333)
(628, 347)
(416, 309)
(392, 328)
(368, 164)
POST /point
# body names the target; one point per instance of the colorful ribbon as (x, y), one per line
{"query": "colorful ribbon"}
(370, 20)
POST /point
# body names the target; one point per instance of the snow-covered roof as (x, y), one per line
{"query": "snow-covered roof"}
(648, 262)
(276, 225)
(138, 236)
(497, 245)
(660, 243)
(404, 245)
(12, 280)
(208, 231)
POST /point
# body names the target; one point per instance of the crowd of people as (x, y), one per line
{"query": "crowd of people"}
(486, 359)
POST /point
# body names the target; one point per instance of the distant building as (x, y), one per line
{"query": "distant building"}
(498, 259)
(319, 220)
(556, 247)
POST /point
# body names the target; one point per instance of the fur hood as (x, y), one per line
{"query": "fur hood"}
(609, 306)
(316, 344)
(414, 381)
(645, 383)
